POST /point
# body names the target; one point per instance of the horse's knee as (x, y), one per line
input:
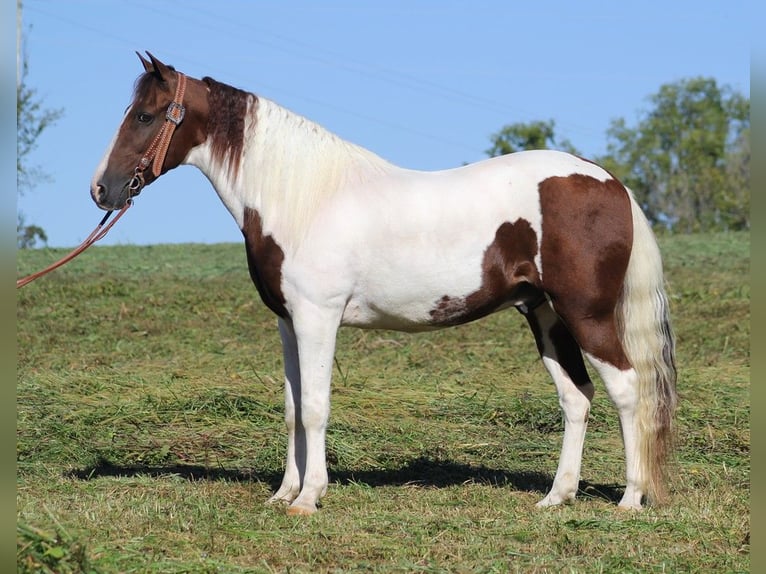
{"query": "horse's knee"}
(313, 419)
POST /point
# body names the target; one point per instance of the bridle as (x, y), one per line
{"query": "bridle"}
(155, 155)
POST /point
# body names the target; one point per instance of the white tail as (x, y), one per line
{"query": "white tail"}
(643, 321)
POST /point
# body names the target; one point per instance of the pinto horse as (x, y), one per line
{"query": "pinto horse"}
(335, 236)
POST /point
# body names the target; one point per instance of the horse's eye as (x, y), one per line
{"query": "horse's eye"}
(144, 118)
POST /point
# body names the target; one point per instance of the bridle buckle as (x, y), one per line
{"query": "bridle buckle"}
(175, 113)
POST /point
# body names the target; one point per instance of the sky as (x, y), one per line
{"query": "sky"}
(421, 83)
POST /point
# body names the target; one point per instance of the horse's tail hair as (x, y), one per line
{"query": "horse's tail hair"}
(646, 334)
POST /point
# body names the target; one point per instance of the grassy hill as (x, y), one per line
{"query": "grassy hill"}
(150, 431)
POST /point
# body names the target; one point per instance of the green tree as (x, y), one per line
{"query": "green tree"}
(524, 136)
(688, 158)
(31, 121)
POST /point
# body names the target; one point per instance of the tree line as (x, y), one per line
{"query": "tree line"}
(687, 159)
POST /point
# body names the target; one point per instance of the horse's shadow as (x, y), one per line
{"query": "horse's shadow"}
(421, 472)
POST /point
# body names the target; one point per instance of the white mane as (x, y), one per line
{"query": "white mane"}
(291, 165)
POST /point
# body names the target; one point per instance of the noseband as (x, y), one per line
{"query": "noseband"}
(155, 155)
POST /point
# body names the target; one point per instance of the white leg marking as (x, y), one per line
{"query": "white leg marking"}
(296, 450)
(315, 331)
(575, 404)
(622, 389)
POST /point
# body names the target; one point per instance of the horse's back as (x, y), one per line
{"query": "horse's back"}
(432, 249)
(530, 167)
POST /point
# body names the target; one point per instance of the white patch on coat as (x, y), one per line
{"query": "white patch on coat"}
(101, 168)
(382, 242)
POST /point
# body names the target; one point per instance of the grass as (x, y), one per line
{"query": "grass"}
(149, 432)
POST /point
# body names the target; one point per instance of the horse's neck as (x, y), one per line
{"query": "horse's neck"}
(289, 167)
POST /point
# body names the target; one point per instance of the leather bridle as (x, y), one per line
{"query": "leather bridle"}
(155, 155)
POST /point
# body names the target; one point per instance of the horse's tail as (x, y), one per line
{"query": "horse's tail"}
(647, 337)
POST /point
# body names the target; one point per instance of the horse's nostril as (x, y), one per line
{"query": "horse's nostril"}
(100, 191)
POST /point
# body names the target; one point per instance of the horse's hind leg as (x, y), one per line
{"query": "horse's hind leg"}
(598, 338)
(621, 386)
(562, 357)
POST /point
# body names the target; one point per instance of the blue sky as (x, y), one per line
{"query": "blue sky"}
(423, 84)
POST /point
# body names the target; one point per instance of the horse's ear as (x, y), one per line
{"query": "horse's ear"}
(148, 67)
(156, 67)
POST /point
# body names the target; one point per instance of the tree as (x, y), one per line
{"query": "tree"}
(31, 121)
(524, 136)
(688, 159)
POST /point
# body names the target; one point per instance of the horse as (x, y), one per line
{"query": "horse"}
(337, 236)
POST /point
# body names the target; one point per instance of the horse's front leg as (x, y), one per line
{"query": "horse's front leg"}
(315, 332)
(296, 444)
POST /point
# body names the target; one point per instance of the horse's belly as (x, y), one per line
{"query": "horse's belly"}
(413, 318)
(363, 315)
(414, 295)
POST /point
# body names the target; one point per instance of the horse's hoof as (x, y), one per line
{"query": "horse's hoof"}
(551, 501)
(300, 510)
(629, 508)
(631, 500)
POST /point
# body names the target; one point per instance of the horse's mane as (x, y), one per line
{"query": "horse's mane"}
(228, 109)
(296, 165)
(277, 160)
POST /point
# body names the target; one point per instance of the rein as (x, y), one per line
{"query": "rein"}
(94, 236)
(154, 156)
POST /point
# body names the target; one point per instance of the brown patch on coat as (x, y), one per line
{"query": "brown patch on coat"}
(226, 122)
(264, 258)
(508, 273)
(587, 235)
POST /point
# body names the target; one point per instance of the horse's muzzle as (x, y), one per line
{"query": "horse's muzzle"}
(111, 201)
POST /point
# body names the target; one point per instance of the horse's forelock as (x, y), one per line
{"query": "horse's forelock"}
(145, 84)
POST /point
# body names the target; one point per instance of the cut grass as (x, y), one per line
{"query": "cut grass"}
(149, 432)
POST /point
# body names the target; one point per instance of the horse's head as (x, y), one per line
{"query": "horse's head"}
(156, 134)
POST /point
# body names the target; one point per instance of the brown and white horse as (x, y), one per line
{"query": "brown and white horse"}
(337, 236)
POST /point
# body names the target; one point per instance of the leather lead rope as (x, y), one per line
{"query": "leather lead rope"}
(94, 236)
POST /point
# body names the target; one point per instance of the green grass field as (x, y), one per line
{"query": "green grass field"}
(150, 432)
